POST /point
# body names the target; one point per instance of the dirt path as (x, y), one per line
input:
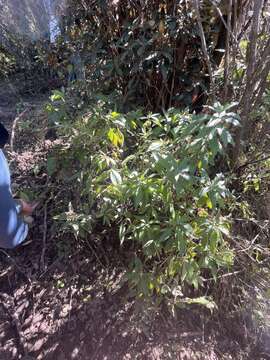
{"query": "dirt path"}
(69, 306)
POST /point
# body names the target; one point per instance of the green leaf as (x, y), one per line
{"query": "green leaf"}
(148, 243)
(210, 304)
(57, 95)
(116, 137)
(115, 115)
(138, 197)
(226, 138)
(243, 44)
(209, 203)
(115, 176)
(256, 183)
(155, 146)
(181, 241)
(122, 232)
(214, 238)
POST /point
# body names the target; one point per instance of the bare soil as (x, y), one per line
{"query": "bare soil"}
(76, 310)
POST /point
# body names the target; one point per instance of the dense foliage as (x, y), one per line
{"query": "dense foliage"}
(150, 54)
(153, 182)
(153, 179)
(152, 160)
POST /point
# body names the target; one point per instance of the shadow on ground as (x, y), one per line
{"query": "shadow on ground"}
(78, 310)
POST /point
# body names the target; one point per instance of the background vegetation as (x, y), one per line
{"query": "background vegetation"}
(160, 162)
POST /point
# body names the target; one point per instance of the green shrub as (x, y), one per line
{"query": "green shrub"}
(149, 177)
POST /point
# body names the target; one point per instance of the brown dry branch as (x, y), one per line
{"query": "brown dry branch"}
(253, 43)
(227, 56)
(258, 94)
(203, 43)
(263, 59)
(253, 65)
(227, 24)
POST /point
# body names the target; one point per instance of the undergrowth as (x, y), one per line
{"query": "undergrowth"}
(152, 179)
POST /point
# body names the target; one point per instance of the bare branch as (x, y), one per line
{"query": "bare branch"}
(228, 24)
(227, 56)
(203, 42)
(252, 68)
(261, 87)
(252, 48)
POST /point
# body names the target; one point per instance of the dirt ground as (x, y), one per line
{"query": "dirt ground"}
(59, 304)
(76, 310)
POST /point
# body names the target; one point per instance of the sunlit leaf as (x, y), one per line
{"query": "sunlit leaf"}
(115, 176)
